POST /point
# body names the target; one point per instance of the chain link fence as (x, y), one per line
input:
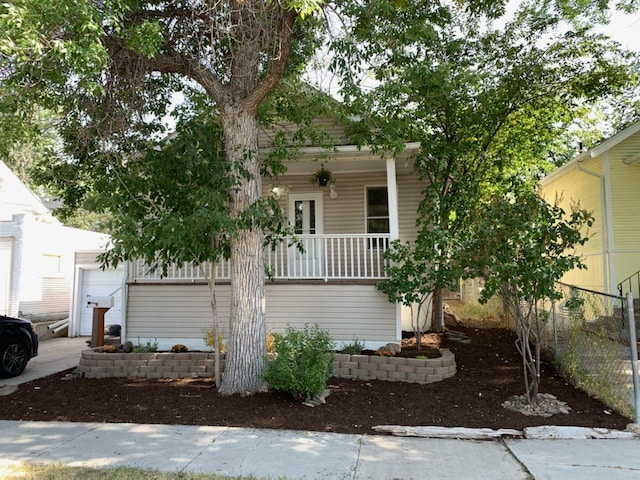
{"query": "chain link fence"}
(588, 336)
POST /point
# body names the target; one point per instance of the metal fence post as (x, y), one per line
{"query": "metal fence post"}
(555, 327)
(634, 355)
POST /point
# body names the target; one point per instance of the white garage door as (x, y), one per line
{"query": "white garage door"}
(100, 283)
(5, 275)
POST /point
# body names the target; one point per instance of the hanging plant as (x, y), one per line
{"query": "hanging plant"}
(321, 177)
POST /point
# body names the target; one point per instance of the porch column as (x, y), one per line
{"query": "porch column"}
(392, 192)
(394, 227)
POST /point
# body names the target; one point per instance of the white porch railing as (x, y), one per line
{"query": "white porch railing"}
(325, 257)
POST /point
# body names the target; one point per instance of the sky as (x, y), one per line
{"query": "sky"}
(624, 29)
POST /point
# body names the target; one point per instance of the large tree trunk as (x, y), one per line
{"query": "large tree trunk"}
(246, 353)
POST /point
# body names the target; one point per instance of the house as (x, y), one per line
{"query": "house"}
(36, 254)
(345, 226)
(605, 181)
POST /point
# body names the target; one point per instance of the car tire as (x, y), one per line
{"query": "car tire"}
(14, 355)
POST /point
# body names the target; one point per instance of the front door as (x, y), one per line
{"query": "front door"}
(305, 215)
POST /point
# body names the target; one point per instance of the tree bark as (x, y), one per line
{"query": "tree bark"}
(438, 314)
(246, 353)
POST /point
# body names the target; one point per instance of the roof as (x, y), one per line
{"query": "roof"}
(598, 150)
(17, 198)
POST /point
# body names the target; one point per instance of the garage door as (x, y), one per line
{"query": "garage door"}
(5, 275)
(100, 283)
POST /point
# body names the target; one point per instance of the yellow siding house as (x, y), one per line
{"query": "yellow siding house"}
(605, 181)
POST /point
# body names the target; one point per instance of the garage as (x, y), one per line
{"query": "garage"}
(6, 251)
(96, 282)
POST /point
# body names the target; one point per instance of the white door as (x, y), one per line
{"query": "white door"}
(5, 275)
(305, 215)
(100, 283)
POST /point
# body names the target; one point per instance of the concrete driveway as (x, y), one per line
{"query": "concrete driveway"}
(54, 356)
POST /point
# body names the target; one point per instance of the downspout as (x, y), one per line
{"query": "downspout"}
(394, 225)
(605, 223)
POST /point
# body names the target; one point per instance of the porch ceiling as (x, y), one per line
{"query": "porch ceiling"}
(346, 159)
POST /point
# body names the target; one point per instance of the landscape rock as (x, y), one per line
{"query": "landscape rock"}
(450, 318)
(127, 347)
(544, 405)
(575, 433)
(318, 399)
(394, 348)
(447, 432)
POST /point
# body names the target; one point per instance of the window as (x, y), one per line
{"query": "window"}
(377, 215)
(377, 210)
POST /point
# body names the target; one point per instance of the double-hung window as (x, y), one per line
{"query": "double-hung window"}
(377, 212)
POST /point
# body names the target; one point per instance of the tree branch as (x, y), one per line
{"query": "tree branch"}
(278, 65)
(167, 62)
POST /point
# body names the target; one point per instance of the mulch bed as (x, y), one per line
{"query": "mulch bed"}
(489, 371)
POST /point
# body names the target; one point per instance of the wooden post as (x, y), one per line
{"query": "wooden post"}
(97, 330)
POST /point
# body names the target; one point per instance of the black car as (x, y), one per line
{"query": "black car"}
(18, 345)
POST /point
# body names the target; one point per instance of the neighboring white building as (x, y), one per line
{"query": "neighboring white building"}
(36, 253)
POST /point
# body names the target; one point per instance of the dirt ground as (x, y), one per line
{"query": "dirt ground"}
(489, 371)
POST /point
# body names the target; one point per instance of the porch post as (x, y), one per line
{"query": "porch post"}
(394, 227)
(392, 192)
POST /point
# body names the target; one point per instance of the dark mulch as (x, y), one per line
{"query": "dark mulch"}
(489, 371)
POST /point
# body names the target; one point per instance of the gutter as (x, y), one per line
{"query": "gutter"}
(605, 221)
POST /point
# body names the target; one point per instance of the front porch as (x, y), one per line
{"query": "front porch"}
(328, 257)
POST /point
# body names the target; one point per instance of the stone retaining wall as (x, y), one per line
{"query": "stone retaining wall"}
(201, 364)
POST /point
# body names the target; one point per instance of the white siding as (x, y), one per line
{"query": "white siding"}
(171, 312)
(347, 311)
(54, 302)
(409, 196)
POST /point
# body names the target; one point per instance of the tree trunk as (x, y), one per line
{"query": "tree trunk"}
(246, 353)
(438, 314)
(216, 324)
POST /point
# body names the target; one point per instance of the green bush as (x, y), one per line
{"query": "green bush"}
(303, 362)
(148, 347)
(353, 348)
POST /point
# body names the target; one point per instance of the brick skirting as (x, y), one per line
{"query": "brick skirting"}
(201, 364)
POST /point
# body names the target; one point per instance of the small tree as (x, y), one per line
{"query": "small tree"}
(524, 245)
(411, 281)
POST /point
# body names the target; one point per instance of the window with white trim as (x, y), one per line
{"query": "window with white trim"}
(377, 210)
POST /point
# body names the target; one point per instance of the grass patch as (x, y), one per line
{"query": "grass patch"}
(25, 471)
(474, 314)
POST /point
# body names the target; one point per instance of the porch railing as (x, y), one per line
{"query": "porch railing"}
(630, 284)
(323, 257)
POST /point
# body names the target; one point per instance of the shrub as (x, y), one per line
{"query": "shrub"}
(179, 348)
(146, 347)
(303, 363)
(270, 343)
(211, 341)
(353, 348)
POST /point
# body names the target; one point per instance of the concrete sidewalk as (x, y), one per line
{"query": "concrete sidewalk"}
(288, 454)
